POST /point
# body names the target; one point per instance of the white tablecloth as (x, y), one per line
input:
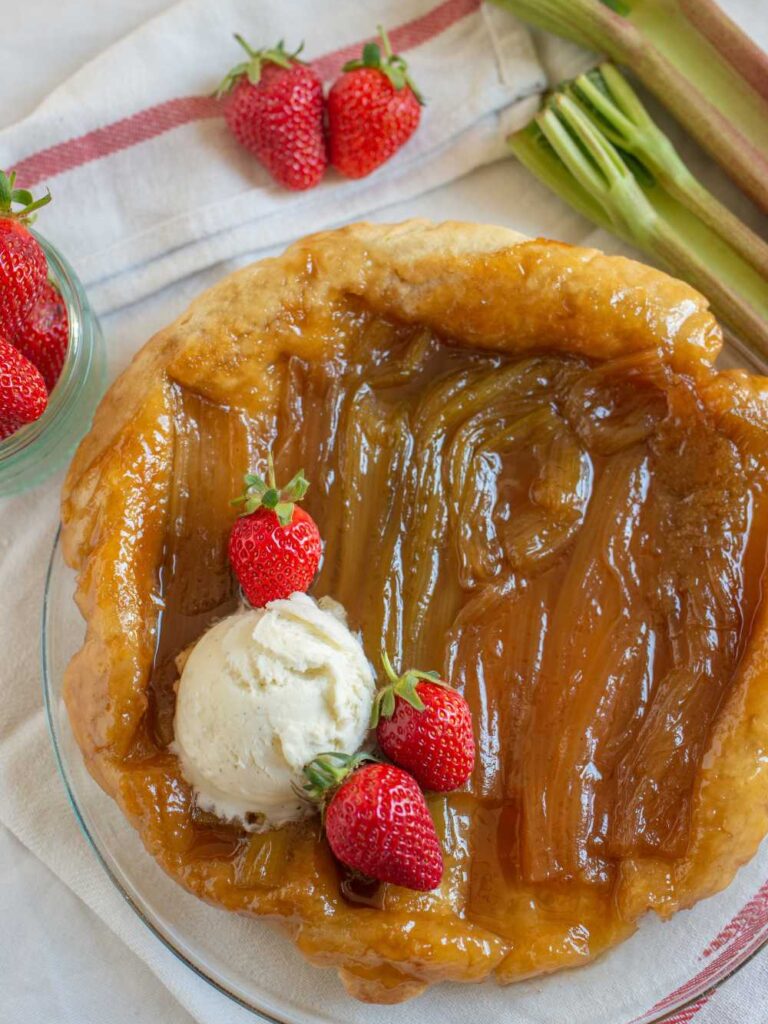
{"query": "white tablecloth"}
(59, 963)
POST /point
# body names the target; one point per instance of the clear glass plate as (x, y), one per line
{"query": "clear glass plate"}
(38, 449)
(662, 968)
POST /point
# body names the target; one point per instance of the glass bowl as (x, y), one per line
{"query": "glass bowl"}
(665, 966)
(39, 448)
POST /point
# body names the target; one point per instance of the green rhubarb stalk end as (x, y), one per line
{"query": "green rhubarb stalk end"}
(571, 147)
(608, 100)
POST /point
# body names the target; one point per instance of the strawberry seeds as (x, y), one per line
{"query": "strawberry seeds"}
(275, 108)
(34, 329)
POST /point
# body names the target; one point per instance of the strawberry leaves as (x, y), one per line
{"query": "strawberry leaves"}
(327, 771)
(393, 66)
(404, 686)
(11, 196)
(266, 494)
(253, 67)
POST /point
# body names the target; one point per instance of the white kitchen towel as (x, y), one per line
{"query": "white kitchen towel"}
(137, 154)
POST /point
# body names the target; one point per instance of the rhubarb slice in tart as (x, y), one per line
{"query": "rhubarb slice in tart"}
(530, 477)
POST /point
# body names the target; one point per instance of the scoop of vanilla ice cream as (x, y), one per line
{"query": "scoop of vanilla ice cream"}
(261, 694)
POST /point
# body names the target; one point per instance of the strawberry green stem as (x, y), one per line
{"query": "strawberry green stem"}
(393, 66)
(327, 771)
(11, 196)
(385, 41)
(252, 68)
(403, 686)
(391, 674)
(245, 46)
(260, 494)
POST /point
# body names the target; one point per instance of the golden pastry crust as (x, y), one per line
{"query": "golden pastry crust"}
(485, 287)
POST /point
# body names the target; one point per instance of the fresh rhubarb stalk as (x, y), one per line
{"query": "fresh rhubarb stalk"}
(570, 152)
(692, 57)
(531, 146)
(606, 96)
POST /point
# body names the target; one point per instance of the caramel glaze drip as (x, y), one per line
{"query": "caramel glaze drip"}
(568, 542)
(196, 585)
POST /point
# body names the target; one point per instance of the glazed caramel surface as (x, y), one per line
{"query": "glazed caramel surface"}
(528, 476)
(568, 543)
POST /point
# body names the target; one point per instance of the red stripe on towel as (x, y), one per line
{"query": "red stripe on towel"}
(161, 118)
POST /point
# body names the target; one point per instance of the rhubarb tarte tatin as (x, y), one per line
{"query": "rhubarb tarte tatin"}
(528, 476)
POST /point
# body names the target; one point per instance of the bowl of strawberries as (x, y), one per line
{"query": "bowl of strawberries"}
(52, 366)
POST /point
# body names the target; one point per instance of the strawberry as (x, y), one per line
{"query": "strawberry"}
(23, 268)
(275, 546)
(376, 820)
(275, 110)
(44, 335)
(23, 396)
(373, 109)
(426, 727)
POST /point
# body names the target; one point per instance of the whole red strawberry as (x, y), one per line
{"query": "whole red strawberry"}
(275, 546)
(425, 726)
(23, 396)
(275, 109)
(377, 821)
(23, 268)
(44, 335)
(373, 109)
